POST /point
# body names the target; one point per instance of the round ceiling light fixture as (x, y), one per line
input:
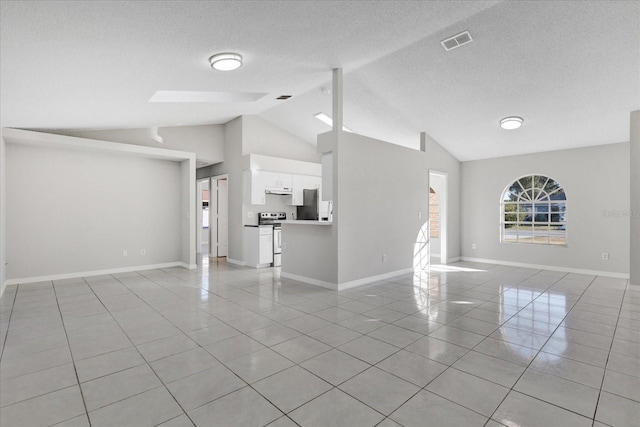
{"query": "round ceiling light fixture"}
(227, 61)
(511, 123)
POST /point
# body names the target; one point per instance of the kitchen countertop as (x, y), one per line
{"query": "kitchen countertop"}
(306, 222)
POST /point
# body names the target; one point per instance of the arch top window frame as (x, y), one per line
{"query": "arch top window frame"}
(533, 210)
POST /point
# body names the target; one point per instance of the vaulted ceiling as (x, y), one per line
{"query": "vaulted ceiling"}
(571, 69)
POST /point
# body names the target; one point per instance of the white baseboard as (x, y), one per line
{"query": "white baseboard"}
(549, 267)
(187, 266)
(75, 275)
(235, 261)
(346, 285)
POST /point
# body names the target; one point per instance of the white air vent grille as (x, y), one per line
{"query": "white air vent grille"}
(457, 40)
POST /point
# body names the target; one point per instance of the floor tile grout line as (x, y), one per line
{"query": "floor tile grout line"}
(511, 389)
(162, 384)
(75, 370)
(604, 375)
(4, 343)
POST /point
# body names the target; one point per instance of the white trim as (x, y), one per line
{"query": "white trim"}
(36, 279)
(187, 266)
(550, 267)
(265, 265)
(235, 261)
(309, 280)
(346, 285)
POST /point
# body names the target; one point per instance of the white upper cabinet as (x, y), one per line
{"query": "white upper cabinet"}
(298, 186)
(275, 179)
(303, 182)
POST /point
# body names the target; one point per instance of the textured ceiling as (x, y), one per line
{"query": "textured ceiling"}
(571, 69)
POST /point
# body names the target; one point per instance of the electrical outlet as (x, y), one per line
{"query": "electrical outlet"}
(605, 256)
(143, 251)
(419, 214)
(249, 214)
(384, 257)
(125, 253)
(473, 246)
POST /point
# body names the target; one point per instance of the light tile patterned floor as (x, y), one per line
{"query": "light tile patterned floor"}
(465, 345)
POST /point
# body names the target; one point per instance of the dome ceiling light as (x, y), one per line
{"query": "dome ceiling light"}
(511, 123)
(227, 61)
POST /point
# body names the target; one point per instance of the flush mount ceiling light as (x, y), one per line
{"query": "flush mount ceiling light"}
(511, 123)
(226, 61)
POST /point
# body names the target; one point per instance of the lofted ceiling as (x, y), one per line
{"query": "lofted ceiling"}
(571, 69)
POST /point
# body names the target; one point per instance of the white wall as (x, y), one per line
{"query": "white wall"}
(75, 211)
(439, 159)
(206, 141)
(596, 180)
(74, 205)
(3, 227)
(262, 137)
(378, 191)
(635, 198)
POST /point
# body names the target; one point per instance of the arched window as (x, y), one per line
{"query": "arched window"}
(434, 214)
(534, 210)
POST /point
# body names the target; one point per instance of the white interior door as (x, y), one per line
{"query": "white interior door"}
(223, 217)
(213, 219)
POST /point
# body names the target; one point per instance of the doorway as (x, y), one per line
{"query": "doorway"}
(203, 216)
(438, 217)
(212, 237)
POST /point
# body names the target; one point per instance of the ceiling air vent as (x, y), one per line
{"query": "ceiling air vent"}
(457, 40)
(283, 97)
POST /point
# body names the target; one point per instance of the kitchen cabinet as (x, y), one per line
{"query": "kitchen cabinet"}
(300, 183)
(256, 182)
(275, 179)
(258, 246)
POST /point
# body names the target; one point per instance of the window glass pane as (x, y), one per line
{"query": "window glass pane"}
(510, 233)
(513, 191)
(541, 217)
(539, 181)
(541, 234)
(558, 212)
(526, 182)
(558, 195)
(542, 207)
(551, 186)
(557, 235)
(525, 233)
(513, 217)
(526, 212)
(510, 196)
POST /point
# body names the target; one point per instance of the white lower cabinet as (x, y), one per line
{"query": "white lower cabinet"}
(258, 246)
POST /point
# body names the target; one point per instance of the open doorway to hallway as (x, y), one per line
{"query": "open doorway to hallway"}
(438, 217)
(213, 219)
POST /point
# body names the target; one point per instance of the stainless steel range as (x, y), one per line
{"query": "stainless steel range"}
(274, 218)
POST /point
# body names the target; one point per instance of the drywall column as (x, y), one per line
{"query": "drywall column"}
(634, 213)
(3, 228)
(336, 107)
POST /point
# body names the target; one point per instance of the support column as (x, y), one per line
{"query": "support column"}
(337, 99)
(634, 214)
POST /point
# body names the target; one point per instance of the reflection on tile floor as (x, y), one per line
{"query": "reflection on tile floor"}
(464, 345)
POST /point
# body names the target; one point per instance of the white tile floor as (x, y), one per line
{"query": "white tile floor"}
(466, 345)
